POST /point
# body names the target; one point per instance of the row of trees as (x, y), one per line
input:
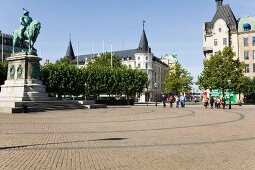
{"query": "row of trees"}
(225, 71)
(64, 78)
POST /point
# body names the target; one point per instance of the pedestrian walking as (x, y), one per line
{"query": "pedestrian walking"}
(223, 102)
(164, 100)
(218, 103)
(206, 101)
(212, 102)
(183, 101)
(171, 101)
(177, 100)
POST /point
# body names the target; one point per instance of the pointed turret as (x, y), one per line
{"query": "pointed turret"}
(69, 52)
(143, 45)
(219, 2)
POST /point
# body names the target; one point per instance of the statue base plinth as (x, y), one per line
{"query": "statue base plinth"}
(22, 82)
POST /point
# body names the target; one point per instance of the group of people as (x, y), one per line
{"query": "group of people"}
(174, 99)
(214, 102)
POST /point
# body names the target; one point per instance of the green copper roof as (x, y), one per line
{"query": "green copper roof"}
(246, 20)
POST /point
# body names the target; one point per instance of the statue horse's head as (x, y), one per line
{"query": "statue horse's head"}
(34, 29)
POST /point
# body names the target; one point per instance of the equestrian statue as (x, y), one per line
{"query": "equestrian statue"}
(27, 33)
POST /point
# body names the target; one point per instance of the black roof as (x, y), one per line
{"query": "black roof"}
(69, 51)
(143, 45)
(223, 12)
(123, 55)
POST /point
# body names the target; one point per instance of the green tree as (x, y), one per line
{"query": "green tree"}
(178, 80)
(133, 81)
(3, 72)
(219, 69)
(104, 60)
(62, 78)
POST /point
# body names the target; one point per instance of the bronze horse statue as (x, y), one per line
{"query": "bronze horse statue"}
(31, 32)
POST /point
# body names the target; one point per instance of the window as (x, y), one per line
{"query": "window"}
(215, 42)
(155, 77)
(245, 42)
(253, 67)
(146, 65)
(225, 41)
(230, 41)
(146, 58)
(138, 58)
(139, 66)
(253, 41)
(129, 66)
(220, 29)
(247, 68)
(253, 54)
(246, 55)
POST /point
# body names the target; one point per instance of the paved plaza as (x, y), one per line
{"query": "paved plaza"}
(137, 137)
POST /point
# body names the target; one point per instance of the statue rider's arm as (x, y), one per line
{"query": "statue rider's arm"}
(22, 21)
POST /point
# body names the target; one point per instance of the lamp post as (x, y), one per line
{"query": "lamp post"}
(229, 83)
(156, 86)
(148, 82)
(85, 85)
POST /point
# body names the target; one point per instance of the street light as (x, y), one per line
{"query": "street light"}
(229, 83)
(146, 94)
(85, 91)
(148, 82)
(155, 86)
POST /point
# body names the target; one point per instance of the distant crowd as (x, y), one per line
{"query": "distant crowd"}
(174, 99)
(215, 102)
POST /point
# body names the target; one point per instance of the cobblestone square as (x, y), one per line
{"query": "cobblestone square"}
(137, 137)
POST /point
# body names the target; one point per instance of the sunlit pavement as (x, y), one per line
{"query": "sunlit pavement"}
(138, 137)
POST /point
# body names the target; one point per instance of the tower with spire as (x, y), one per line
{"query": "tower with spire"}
(221, 31)
(69, 52)
(144, 57)
(143, 45)
(219, 2)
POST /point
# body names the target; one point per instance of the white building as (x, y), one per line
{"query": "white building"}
(221, 31)
(141, 58)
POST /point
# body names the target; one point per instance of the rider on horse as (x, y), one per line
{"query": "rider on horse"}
(25, 20)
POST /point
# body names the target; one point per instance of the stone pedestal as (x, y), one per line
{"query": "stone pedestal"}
(22, 82)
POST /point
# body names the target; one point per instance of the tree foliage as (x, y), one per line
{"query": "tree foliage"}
(219, 69)
(3, 72)
(104, 60)
(178, 80)
(65, 78)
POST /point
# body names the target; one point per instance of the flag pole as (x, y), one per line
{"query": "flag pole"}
(2, 47)
(78, 54)
(103, 46)
(111, 55)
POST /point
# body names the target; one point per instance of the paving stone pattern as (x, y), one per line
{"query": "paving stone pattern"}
(137, 137)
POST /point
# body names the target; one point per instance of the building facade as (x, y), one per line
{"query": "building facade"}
(141, 58)
(6, 43)
(226, 30)
(246, 31)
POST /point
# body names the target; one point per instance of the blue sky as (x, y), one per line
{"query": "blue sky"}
(171, 25)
